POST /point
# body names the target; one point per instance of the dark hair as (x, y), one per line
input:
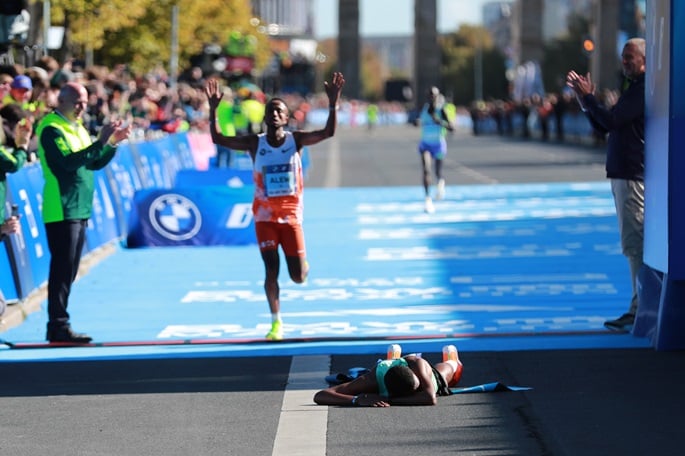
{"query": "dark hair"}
(278, 100)
(13, 113)
(400, 381)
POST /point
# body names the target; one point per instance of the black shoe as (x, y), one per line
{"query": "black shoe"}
(623, 323)
(68, 335)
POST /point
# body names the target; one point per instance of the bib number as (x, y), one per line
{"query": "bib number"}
(279, 180)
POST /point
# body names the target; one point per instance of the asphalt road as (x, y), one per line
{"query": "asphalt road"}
(388, 157)
(584, 402)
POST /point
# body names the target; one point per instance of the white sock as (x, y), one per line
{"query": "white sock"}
(275, 317)
(454, 364)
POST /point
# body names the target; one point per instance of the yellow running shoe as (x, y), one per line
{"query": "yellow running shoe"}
(276, 332)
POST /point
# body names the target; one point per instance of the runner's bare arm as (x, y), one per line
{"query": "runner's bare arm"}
(362, 391)
(245, 142)
(333, 90)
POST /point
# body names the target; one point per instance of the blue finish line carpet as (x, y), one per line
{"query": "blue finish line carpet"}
(498, 267)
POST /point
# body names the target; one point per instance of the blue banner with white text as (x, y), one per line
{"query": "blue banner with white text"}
(209, 215)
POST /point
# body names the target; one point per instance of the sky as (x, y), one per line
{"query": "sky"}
(395, 17)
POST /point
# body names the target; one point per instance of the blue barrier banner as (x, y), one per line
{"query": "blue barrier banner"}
(115, 193)
(210, 215)
(9, 289)
(240, 160)
(21, 251)
(150, 165)
(223, 177)
(32, 223)
(183, 151)
(676, 164)
(171, 161)
(122, 170)
(102, 226)
(93, 240)
(306, 162)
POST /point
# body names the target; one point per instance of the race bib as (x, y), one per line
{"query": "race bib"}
(279, 180)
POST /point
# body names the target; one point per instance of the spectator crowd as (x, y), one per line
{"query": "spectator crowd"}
(552, 116)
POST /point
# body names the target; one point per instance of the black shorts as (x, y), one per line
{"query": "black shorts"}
(443, 389)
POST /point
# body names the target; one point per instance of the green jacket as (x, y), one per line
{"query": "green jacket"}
(10, 162)
(68, 157)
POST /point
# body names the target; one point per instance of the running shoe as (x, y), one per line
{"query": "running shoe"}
(624, 323)
(449, 352)
(451, 355)
(440, 190)
(428, 207)
(276, 332)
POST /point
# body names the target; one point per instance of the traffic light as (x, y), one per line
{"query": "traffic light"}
(588, 46)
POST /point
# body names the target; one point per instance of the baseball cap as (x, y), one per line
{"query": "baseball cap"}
(22, 82)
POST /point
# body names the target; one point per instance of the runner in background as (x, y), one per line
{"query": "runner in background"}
(372, 116)
(434, 123)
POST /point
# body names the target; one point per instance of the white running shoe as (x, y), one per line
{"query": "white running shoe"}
(449, 352)
(440, 191)
(428, 207)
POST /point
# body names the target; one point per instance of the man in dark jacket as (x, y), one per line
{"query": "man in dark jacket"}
(625, 162)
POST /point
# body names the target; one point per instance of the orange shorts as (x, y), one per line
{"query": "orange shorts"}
(290, 237)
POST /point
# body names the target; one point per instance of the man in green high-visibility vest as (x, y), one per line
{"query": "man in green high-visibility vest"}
(69, 157)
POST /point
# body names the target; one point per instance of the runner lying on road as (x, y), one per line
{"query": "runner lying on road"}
(410, 380)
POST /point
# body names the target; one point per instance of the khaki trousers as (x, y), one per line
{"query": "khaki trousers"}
(629, 198)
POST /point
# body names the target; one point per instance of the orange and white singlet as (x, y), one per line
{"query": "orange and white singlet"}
(277, 174)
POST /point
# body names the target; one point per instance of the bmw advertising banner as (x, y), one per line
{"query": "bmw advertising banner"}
(209, 215)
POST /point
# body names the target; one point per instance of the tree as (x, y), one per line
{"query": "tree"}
(565, 53)
(138, 32)
(86, 23)
(458, 65)
(373, 74)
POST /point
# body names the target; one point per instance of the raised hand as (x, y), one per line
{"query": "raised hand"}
(214, 95)
(22, 132)
(121, 131)
(582, 85)
(10, 226)
(334, 88)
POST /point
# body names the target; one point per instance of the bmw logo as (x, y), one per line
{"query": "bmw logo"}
(175, 217)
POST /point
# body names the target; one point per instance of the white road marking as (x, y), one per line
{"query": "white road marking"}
(478, 177)
(332, 176)
(302, 426)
